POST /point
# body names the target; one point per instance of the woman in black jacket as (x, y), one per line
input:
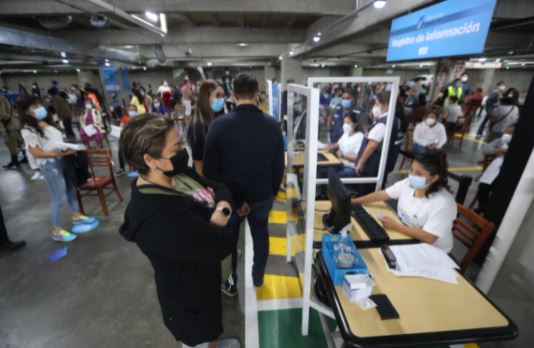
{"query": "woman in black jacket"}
(178, 219)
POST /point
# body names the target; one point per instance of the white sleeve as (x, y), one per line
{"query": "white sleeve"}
(442, 136)
(441, 217)
(359, 141)
(30, 138)
(377, 133)
(395, 191)
(417, 136)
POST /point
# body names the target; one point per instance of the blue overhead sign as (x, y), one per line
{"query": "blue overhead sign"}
(450, 28)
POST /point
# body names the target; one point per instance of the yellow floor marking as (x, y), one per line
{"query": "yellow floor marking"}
(470, 138)
(471, 345)
(279, 286)
(278, 245)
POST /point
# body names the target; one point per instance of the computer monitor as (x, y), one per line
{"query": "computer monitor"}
(340, 214)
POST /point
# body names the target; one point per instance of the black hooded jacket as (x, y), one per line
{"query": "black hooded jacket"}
(185, 250)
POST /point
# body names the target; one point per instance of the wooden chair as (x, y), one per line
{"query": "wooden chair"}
(472, 230)
(408, 140)
(102, 178)
(484, 163)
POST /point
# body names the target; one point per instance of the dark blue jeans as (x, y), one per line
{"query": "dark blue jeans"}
(258, 220)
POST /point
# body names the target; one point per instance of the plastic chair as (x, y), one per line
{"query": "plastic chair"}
(472, 230)
(100, 180)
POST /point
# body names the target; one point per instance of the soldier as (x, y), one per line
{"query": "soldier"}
(9, 131)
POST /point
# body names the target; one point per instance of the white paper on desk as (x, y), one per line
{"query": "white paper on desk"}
(320, 146)
(421, 256)
(116, 131)
(446, 275)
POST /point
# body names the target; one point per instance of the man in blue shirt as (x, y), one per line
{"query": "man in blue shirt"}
(336, 129)
(245, 151)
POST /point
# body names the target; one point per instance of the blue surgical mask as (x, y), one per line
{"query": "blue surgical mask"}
(417, 182)
(346, 103)
(40, 113)
(132, 113)
(217, 105)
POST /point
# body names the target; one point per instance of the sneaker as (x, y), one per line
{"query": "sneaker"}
(63, 236)
(257, 283)
(12, 165)
(229, 288)
(228, 343)
(86, 220)
(36, 176)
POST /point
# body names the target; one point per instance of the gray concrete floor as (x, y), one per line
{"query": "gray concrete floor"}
(101, 294)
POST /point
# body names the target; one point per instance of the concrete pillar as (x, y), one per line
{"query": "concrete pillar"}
(270, 74)
(487, 76)
(292, 69)
(356, 71)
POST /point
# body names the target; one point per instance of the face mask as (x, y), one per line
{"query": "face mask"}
(347, 128)
(502, 88)
(132, 113)
(417, 182)
(430, 121)
(40, 113)
(346, 103)
(506, 138)
(217, 105)
(179, 163)
(88, 106)
(376, 111)
(156, 105)
(464, 78)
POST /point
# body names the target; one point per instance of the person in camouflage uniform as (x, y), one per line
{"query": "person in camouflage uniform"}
(10, 131)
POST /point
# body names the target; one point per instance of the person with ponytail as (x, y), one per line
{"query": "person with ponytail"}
(44, 141)
(210, 101)
(425, 206)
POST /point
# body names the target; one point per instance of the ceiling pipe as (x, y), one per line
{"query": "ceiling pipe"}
(119, 13)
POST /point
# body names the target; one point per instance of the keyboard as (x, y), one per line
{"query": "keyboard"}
(321, 158)
(373, 229)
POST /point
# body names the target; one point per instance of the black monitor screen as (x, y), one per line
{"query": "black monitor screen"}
(340, 214)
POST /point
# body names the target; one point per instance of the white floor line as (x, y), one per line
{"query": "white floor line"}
(252, 338)
(279, 303)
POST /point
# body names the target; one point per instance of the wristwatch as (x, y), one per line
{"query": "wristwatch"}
(225, 211)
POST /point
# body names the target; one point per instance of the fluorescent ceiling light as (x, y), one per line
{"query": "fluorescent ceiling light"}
(242, 44)
(106, 63)
(63, 54)
(163, 22)
(355, 65)
(482, 59)
(316, 38)
(379, 3)
(151, 16)
(280, 58)
(65, 61)
(292, 52)
(210, 63)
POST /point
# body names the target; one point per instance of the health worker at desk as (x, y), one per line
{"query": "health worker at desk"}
(425, 206)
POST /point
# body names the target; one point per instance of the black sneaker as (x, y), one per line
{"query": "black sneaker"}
(257, 283)
(229, 288)
(12, 165)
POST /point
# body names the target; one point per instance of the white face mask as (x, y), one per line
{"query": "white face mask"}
(376, 111)
(506, 138)
(88, 106)
(347, 128)
(156, 105)
(430, 121)
(502, 88)
(464, 78)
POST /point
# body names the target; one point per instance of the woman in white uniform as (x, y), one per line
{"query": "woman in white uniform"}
(425, 205)
(348, 146)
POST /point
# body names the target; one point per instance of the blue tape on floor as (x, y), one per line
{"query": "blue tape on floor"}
(83, 228)
(57, 254)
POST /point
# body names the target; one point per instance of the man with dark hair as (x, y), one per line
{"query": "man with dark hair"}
(5, 243)
(245, 151)
(491, 103)
(63, 110)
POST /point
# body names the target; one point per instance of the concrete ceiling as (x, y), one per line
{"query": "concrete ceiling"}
(199, 31)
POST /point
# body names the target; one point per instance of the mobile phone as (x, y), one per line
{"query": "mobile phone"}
(384, 307)
(389, 256)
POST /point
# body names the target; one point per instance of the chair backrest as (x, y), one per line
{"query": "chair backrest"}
(472, 230)
(100, 158)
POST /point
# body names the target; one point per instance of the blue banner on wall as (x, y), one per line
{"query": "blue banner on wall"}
(450, 28)
(276, 100)
(110, 79)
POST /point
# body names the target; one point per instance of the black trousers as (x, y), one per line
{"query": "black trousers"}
(3, 231)
(67, 123)
(483, 195)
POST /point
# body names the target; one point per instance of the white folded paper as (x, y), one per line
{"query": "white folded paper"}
(424, 260)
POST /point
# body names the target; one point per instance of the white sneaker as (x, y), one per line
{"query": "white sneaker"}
(36, 176)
